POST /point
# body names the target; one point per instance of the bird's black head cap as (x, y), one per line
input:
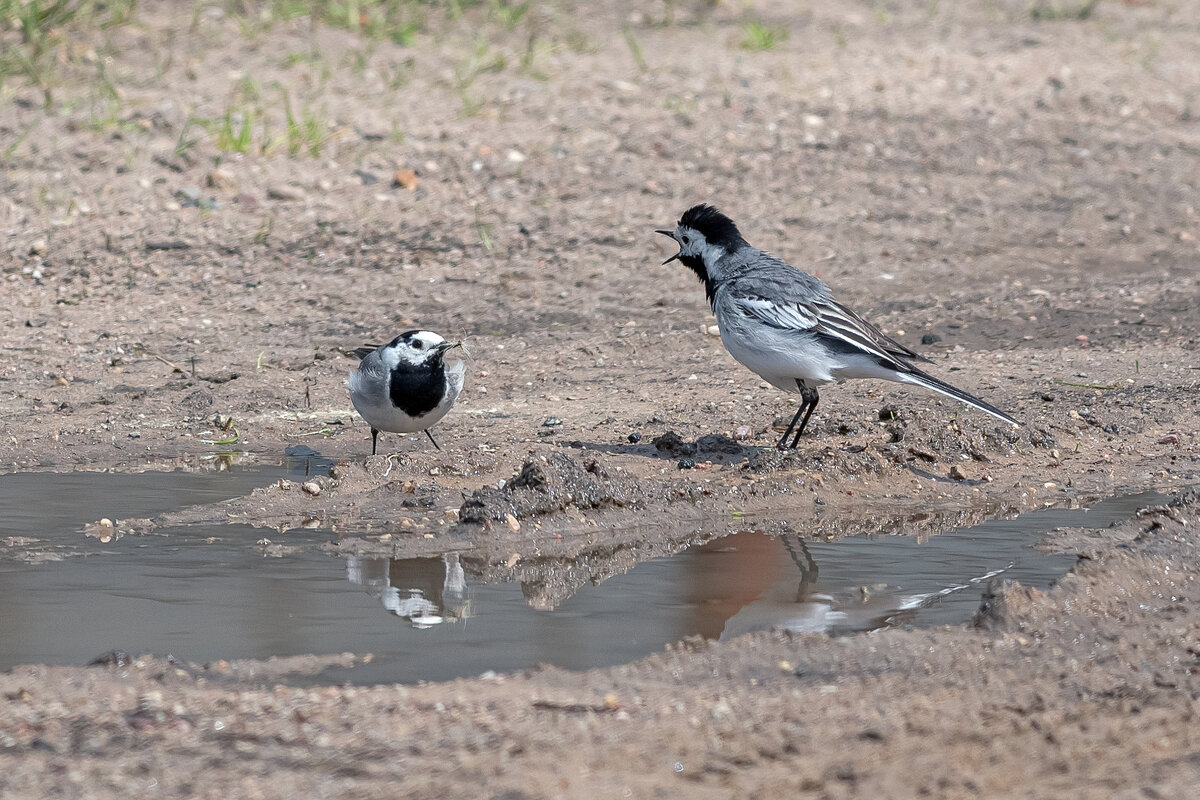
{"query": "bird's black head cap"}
(717, 228)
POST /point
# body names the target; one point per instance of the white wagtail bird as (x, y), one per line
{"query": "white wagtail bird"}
(405, 385)
(784, 324)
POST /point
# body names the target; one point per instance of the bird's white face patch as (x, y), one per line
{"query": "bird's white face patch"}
(415, 350)
(694, 244)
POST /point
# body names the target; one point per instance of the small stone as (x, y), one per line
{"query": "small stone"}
(515, 156)
(930, 338)
(889, 413)
(188, 196)
(61, 381)
(283, 191)
(221, 179)
(634, 438)
(512, 560)
(311, 487)
(551, 422)
(686, 463)
(713, 330)
(1170, 438)
(743, 433)
(367, 178)
(1047, 397)
(956, 474)
(39, 247)
(513, 523)
(406, 179)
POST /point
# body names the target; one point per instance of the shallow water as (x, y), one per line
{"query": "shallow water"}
(204, 593)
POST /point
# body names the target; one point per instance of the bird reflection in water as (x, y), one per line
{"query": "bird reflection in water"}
(424, 591)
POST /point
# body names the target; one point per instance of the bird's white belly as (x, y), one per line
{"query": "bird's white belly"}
(779, 358)
(386, 417)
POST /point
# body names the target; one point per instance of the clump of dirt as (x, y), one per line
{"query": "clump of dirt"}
(549, 483)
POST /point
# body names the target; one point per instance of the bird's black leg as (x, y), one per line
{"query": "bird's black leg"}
(783, 440)
(430, 435)
(374, 440)
(810, 398)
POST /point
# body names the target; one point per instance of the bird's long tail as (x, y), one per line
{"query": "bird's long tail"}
(919, 378)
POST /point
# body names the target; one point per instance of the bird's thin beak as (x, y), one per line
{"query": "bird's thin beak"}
(671, 236)
(444, 346)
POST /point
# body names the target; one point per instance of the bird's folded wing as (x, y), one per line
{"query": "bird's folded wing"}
(829, 319)
(788, 316)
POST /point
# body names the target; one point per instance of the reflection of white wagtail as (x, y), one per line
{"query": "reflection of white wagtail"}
(405, 385)
(785, 325)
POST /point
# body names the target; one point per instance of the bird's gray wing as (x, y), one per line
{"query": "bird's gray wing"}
(372, 367)
(825, 318)
(840, 321)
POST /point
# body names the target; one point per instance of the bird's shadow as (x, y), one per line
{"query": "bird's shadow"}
(715, 447)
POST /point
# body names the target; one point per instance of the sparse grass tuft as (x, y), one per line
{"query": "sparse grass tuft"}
(758, 37)
(635, 49)
(235, 132)
(31, 32)
(1051, 12)
(306, 132)
(479, 62)
(396, 21)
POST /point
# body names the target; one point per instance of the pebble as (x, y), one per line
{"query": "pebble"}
(222, 179)
(713, 330)
(406, 179)
(743, 433)
(686, 463)
(311, 487)
(956, 474)
(513, 523)
(39, 247)
(551, 422)
(930, 338)
(283, 191)
(1170, 438)
(634, 438)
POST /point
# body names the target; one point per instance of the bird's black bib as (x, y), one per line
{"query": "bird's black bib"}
(416, 389)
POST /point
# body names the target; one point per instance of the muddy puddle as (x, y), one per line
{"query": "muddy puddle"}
(45, 511)
(203, 593)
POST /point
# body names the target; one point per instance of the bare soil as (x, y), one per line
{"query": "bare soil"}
(1012, 194)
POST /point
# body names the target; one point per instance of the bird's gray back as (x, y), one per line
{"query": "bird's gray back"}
(750, 272)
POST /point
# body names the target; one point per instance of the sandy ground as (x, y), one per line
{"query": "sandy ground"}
(1014, 197)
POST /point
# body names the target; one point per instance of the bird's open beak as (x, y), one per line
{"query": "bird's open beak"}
(444, 346)
(671, 236)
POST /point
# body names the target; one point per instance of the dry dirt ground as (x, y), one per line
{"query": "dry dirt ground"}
(1009, 189)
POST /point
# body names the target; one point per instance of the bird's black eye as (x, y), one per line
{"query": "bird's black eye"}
(418, 344)
(686, 240)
